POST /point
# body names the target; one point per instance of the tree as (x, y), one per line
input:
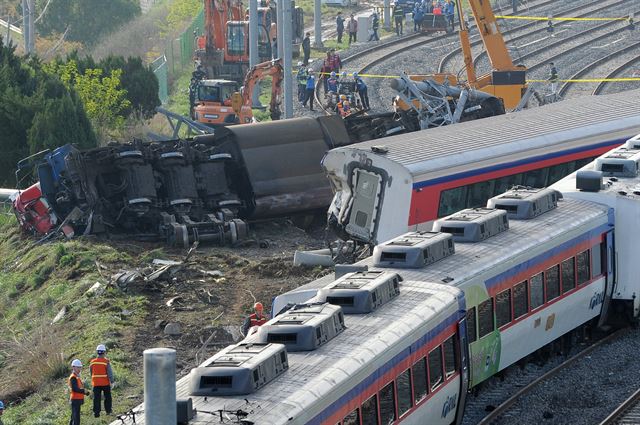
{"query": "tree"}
(37, 111)
(137, 79)
(102, 96)
(86, 20)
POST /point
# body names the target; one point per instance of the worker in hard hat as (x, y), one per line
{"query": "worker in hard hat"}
(101, 380)
(77, 391)
(1, 411)
(256, 319)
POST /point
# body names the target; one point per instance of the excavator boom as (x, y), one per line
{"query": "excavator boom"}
(491, 37)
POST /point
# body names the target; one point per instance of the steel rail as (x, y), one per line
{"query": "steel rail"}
(493, 417)
(627, 413)
(613, 74)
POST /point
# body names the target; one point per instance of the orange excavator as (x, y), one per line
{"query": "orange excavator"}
(221, 103)
(223, 50)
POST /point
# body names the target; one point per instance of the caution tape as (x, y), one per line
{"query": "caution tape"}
(581, 80)
(547, 18)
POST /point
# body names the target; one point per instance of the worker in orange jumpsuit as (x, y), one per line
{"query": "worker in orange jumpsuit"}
(101, 380)
(256, 319)
(76, 399)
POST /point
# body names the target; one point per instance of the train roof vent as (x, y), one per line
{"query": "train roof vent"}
(239, 370)
(414, 250)
(621, 162)
(589, 180)
(523, 203)
(633, 143)
(361, 292)
(473, 224)
(304, 327)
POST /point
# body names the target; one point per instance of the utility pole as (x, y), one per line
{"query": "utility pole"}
(317, 21)
(253, 46)
(387, 15)
(280, 20)
(25, 25)
(287, 59)
(32, 26)
(8, 40)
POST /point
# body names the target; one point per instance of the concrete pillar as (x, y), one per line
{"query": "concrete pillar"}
(160, 386)
(287, 59)
(317, 22)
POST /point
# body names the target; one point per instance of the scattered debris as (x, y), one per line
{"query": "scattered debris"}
(320, 257)
(173, 329)
(173, 300)
(96, 289)
(60, 315)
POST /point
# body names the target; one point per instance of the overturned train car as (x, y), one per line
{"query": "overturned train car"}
(183, 190)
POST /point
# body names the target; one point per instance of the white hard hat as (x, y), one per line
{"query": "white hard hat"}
(76, 363)
(101, 348)
(299, 63)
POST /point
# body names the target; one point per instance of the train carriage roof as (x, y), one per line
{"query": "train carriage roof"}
(547, 127)
(522, 236)
(319, 372)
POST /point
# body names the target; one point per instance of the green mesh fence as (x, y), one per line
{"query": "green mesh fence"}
(160, 68)
(178, 54)
(187, 39)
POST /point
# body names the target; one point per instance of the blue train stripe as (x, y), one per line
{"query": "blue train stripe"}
(531, 263)
(513, 164)
(369, 380)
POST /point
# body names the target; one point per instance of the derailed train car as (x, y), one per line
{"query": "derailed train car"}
(183, 190)
(433, 314)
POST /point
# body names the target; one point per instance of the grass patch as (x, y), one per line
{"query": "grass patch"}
(38, 281)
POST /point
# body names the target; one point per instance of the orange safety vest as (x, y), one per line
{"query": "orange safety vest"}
(75, 395)
(98, 368)
(201, 42)
(257, 322)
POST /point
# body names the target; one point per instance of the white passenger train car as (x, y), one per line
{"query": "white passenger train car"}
(613, 180)
(471, 302)
(388, 186)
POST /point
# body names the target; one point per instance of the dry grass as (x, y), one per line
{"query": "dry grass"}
(40, 361)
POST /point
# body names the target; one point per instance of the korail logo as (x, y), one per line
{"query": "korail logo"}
(596, 300)
(449, 405)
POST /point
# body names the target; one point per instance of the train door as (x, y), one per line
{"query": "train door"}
(364, 209)
(464, 368)
(609, 262)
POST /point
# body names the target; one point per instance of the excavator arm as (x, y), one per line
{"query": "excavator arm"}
(258, 73)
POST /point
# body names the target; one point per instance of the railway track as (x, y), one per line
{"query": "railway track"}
(626, 69)
(523, 31)
(507, 407)
(365, 59)
(628, 413)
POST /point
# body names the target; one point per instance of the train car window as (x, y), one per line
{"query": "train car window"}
(471, 325)
(553, 282)
(419, 372)
(520, 300)
(352, 418)
(404, 392)
(568, 269)
(505, 183)
(536, 178)
(485, 318)
(503, 308)
(435, 368)
(584, 274)
(370, 411)
(557, 172)
(387, 405)
(597, 254)
(478, 194)
(450, 357)
(452, 200)
(537, 291)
